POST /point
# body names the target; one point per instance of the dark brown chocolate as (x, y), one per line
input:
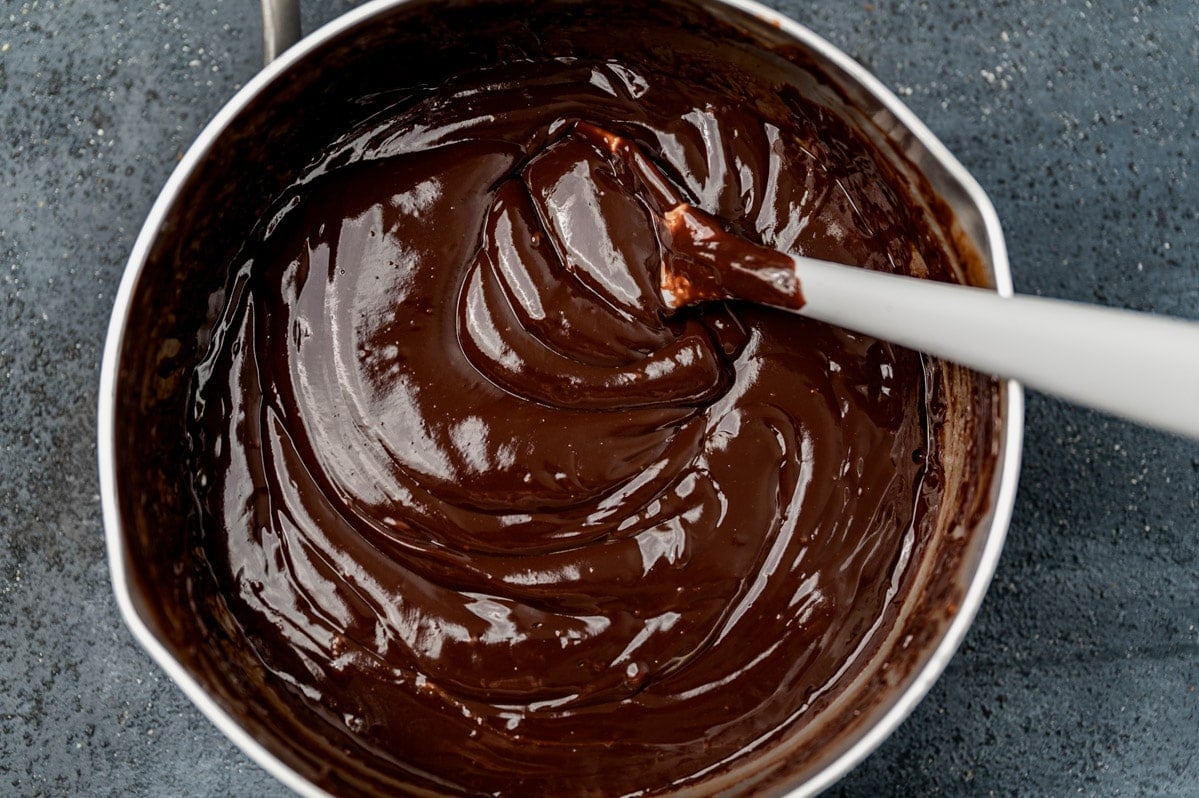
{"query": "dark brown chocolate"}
(481, 501)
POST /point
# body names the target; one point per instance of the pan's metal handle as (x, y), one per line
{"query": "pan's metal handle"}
(280, 27)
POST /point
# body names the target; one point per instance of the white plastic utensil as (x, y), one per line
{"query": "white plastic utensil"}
(1136, 365)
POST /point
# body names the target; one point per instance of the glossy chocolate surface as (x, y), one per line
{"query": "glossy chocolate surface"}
(494, 514)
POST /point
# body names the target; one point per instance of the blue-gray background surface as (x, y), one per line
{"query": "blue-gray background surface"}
(1079, 119)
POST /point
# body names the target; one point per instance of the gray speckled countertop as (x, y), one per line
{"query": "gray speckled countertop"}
(1079, 118)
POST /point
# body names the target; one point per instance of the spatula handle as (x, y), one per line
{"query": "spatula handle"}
(1136, 365)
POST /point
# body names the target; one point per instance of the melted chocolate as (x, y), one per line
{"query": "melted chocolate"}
(486, 504)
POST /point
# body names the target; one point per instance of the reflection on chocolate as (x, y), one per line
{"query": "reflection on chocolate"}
(497, 514)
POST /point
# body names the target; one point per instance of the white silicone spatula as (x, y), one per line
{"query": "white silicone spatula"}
(1136, 365)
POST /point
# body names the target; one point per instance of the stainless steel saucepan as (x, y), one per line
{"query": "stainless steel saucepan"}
(162, 318)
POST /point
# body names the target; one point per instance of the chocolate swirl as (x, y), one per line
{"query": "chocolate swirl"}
(481, 501)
